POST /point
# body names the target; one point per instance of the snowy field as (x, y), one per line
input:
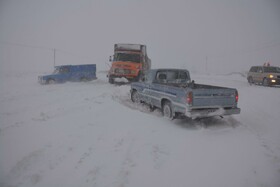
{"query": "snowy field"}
(92, 135)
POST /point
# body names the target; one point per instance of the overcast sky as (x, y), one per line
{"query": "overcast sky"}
(200, 35)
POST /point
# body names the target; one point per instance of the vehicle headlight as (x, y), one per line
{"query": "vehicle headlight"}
(271, 76)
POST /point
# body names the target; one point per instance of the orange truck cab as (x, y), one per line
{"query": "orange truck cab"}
(129, 61)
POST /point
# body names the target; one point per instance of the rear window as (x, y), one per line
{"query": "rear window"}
(172, 76)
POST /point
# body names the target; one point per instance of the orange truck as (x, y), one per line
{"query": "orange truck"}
(129, 61)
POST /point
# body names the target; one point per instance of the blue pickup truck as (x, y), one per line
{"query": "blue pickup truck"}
(61, 74)
(172, 91)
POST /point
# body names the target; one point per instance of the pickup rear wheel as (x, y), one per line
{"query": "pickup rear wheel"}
(83, 79)
(111, 80)
(167, 110)
(135, 97)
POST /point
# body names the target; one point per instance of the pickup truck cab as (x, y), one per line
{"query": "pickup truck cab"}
(172, 91)
(61, 74)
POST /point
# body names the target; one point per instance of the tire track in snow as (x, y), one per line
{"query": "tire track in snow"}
(126, 167)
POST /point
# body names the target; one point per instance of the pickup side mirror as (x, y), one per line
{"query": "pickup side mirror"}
(192, 84)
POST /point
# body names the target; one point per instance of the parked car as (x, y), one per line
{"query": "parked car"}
(265, 75)
(172, 91)
(61, 74)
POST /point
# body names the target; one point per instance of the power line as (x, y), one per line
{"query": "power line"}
(25, 45)
(72, 54)
(265, 45)
(54, 50)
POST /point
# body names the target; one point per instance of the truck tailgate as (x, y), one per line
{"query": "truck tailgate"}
(214, 98)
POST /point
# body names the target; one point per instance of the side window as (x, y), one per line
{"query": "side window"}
(254, 69)
(64, 70)
(172, 76)
(183, 75)
(260, 69)
(161, 77)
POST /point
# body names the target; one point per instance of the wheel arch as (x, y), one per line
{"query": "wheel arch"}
(163, 100)
(50, 79)
(133, 90)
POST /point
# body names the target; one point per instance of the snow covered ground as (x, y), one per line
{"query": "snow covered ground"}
(91, 134)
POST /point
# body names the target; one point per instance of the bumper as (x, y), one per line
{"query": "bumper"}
(201, 113)
(41, 81)
(272, 81)
(120, 76)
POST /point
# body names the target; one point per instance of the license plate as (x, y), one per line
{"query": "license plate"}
(211, 110)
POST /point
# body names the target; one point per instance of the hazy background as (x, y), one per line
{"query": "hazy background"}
(201, 35)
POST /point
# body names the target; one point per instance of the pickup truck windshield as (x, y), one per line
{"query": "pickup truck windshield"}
(172, 76)
(127, 57)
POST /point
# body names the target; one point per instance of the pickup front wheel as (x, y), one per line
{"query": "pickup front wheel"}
(135, 97)
(167, 110)
(51, 81)
(111, 80)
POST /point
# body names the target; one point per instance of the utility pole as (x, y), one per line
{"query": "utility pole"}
(54, 57)
(206, 64)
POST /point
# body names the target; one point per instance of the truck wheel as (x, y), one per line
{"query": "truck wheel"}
(135, 97)
(167, 110)
(83, 79)
(51, 81)
(151, 108)
(139, 76)
(250, 80)
(265, 82)
(111, 80)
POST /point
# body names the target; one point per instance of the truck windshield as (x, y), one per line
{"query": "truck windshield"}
(127, 57)
(59, 70)
(272, 69)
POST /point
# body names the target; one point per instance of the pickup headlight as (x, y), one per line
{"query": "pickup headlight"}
(271, 76)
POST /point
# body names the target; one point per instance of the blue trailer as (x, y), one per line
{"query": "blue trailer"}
(76, 73)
